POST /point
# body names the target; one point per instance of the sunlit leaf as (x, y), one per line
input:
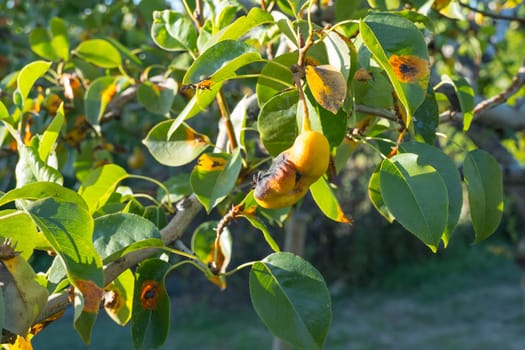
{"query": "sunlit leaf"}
(99, 184)
(327, 201)
(99, 52)
(118, 297)
(20, 229)
(26, 79)
(214, 176)
(69, 228)
(241, 26)
(24, 298)
(179, 148)
(173, 31)
(51, 134)
(220, 62)
(98, 95)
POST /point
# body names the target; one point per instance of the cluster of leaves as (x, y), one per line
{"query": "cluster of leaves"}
(362, 81)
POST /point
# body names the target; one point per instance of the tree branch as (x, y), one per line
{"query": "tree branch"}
(492, 14)
(505, 116)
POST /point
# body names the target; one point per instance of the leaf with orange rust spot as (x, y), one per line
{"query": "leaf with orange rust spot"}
(97, 98)
(215, 254)
(178, 148)
(326, 200)
(91, 295)
(118, 298)
(399, 47)
(410, 69)
(215, 176)
(151, 305)
(20, 343)
(328, 86)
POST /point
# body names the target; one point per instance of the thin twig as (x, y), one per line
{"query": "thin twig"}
(517, 82)
(492, 14)
(225, 114)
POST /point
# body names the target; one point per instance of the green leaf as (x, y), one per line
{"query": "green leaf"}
(277, 122)
(173, 31)
(238, 118)
(327, 201)
(427, 118)
(214, 176)
(374, 193)
(40, 42)
(30, 168)
(115, 233)
(241, 26)
(69, 228)
(373, 92)
(465, 94)
(59, 38)
(151, 305)
(52, 43)
(220, 62)
(23, 295)
(291, 7)
(484, 182)
(99, 184)
(179, 148)
(447, 169)
(416, 196)
(99, 52)
(51, 134)
(398, 46)
(157, 98)
(291, 298)
(339, 53)
(275, 77)
(41, 190)
(20, 229)
(98, 95)
(121, 290)
(26, 79)
(178, 186)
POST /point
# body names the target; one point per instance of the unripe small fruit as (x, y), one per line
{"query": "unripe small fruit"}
(293, 171)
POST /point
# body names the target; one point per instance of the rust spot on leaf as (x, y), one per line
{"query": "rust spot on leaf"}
(208, 162)
(108, 93)
(92, 295)
(410, 69)
(149, 294)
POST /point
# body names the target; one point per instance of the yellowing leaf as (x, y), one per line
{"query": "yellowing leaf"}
(20, 343)
(328, 86)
